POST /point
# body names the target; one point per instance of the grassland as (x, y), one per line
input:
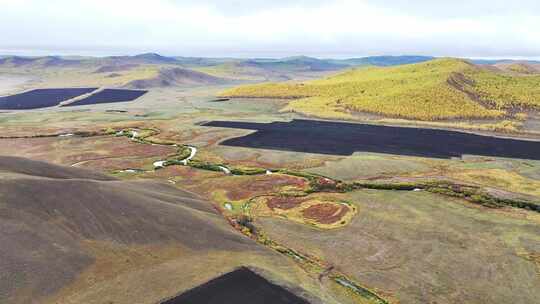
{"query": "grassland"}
(434, 90)
(520, 68)
(231, 70)
(56, 77)
(398, 238)
(411, 246)
(501, 179)
(405, 213)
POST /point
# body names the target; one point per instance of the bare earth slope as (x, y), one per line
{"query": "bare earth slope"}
(79, 237)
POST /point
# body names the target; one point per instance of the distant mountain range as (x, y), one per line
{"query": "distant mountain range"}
(384, 60)
(297, 62)
(497, 61)
(150, 70)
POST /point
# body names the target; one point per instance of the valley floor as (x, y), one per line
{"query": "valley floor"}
(360, 227)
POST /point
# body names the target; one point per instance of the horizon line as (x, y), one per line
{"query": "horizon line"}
(24, 53)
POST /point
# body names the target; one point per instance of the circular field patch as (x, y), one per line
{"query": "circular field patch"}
(284, 202)
(325, 213)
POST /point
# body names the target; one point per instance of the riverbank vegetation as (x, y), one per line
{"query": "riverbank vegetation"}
(245, 193)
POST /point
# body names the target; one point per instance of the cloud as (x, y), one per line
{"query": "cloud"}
(247, 7)
(277, 28)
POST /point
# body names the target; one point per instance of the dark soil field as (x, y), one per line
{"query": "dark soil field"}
(338, 138)
(109, 96)
(241, 286)
(41, 98)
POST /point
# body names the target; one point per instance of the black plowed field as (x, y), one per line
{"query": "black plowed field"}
(109, 96)
(41, 98)
(337, 138)
(241, 286)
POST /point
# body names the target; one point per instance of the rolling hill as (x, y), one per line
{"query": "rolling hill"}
(146, 58)
(385, 60)
(242, 70)
(433, 90)
(37, 62)
(115, 68)
(526, 68)
(316, 64)
(295, 67)
(60, 61)
(167, 77)
(298, 63)
(77, 236)
(295, 63)
(261, 69)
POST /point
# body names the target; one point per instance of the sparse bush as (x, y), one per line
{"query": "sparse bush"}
(521, 116)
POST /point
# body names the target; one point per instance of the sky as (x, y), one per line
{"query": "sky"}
(277, 28)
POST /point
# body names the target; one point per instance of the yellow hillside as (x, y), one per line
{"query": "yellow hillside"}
(438, 89)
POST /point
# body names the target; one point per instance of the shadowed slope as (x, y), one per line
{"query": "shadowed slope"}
(41, 169)
(46, 224)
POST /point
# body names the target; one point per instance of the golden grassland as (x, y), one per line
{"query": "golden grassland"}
(521, 68)
(504, 126)
(506, 91)
(501, 179)
(434, 90)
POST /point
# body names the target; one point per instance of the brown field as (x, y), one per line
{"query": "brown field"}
(102, 153)
(265, 184)
(284, 202)
(325, 213)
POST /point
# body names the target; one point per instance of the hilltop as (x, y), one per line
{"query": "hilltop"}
(438, 89)
(385, 60)
(37, 62)
(298, 67)
(145, 68)
(527, 68)
(245, 70)
(296, 63)
(167, 77)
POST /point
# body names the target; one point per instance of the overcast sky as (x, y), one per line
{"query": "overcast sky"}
(276, 28)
